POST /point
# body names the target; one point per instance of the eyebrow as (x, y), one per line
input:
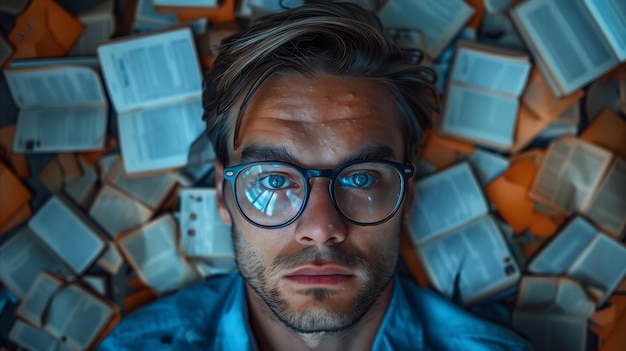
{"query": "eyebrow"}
(254, 153)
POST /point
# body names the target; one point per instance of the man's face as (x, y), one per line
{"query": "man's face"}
(321, 273)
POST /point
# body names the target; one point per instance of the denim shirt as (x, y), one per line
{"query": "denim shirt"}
(212, 315)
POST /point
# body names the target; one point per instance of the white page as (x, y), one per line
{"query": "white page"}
(570, 171)
(482, 116)
(602, 265)
(611, 17)
(564, 35)
(23, 257)
(537, 293)
(149, 189)
(559, 253)
(77, 315)
(83, 188)
(66, 129)
(33, 338)
(478, 253)
(505, 72)
(111, 260)
(66, 234)
(55, 86)
(33, 306)
(446, 200)
(151, 69)
(202, 231)
(439, 21)
(152, 252)
(159, 138)
(607, 208)
(116, 212)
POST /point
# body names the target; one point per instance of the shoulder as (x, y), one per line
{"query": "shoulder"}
(447, 326)
(183, 315)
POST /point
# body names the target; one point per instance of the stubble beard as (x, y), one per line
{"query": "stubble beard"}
(373, 275)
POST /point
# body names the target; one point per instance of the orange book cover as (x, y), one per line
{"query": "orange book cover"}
(224, 13)
(44, 29)
(14, 160)
(607, 130)
(509, 193)
(15, 195)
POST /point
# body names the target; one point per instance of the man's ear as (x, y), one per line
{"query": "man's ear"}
(219, 190)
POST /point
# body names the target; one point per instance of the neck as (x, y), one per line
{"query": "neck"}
(271, 334)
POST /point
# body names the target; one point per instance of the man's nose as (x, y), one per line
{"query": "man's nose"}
(320, 223)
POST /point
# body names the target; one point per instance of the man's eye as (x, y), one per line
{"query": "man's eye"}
(358, 180)
(275, 182)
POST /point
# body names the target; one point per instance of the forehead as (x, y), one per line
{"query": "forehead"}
(321, 120)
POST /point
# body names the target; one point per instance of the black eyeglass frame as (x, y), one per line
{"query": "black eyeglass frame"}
(406, 171)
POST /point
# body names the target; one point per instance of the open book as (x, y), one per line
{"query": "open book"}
(576, 175)
(68, 233)
(152, 252)
(203, 234)
(23, 257)
(573, 42)
(460, 245)
(67, 314)
(483, 93)
(155, 85)
(552, 313)
(62, 108)
(581, 252)
(434, 23)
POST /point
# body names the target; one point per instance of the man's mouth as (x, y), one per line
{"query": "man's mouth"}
(320, 275)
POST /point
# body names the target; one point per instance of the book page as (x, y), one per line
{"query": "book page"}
(67, 234)
(44, 62)
(151, 190)
(559, 254)
(537, 293)
(548, 332)
(447, 200)
(608, 206)
(151, 69)
(202, 231)
(159, 138)
(569, 174)
(479, 116)
(437, 21)
(32, 308)
(66, 129)
(83, 189)
(602, 265)
(563, 34)
(23, 257)
(99, 24)
(487, 165)
(111, 260)
(477, 253)
(611, 17)
(491, 68)
(117, 212)
(33, 338)
(151, 251)
(55, 86)
(77, 316)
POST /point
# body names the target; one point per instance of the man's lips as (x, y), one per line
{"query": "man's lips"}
(319, 275)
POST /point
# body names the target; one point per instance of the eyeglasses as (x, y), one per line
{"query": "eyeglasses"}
(273, 194)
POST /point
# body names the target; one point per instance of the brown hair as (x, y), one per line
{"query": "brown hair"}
(336, 38)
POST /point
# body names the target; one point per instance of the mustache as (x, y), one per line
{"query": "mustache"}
(319, 256)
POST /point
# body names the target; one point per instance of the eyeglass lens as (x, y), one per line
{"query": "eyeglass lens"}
(273, 194)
